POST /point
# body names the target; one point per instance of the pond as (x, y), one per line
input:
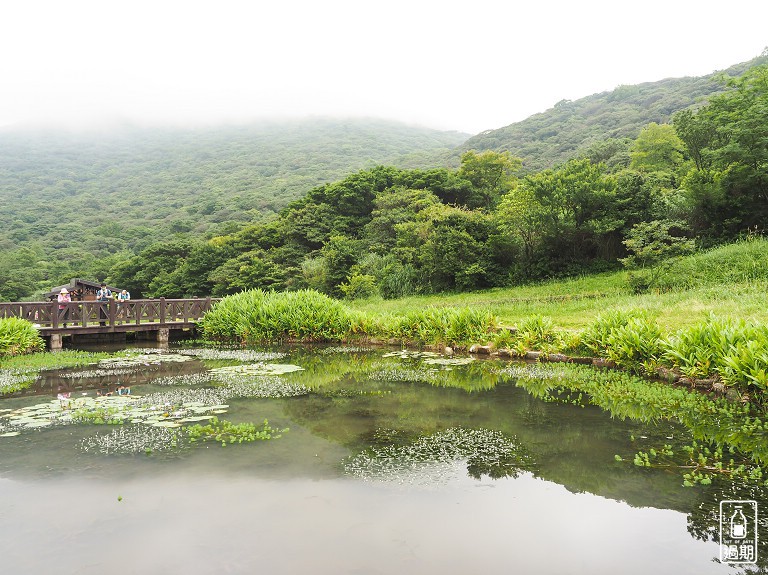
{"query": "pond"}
(389, 462)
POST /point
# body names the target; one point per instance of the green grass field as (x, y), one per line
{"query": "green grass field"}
(731, 282)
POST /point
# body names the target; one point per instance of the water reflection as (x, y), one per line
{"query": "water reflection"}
(390, 465)
(168, 523)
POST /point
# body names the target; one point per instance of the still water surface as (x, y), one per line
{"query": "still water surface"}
(323, 498)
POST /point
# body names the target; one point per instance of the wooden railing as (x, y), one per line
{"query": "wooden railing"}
(111, 315)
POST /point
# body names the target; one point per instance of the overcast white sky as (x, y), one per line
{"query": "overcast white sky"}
(467, 66)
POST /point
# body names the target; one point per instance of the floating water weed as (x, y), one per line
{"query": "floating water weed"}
(345, 349)
(133, 439)
(14, 380)
(234, 354)
(486, 452)
(412, 354)
(264, 387)
(94, 373)
(187, 380)
(257, 369)
(447, 361)
(227, 432)
(141, 360)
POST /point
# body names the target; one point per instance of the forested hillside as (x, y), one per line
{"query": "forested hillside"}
(372, 208)
(390, 232)
(602, 125)
(72, 201)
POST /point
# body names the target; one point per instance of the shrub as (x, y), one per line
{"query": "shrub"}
(256, 316)
(18, 336)
(434, 325)
(538, 332)
(595, 337)
(359, 287)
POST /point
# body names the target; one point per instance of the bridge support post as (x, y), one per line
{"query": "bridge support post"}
(56, 342)
(163, 335)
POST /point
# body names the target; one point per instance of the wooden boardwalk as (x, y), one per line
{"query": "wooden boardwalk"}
(93, 317)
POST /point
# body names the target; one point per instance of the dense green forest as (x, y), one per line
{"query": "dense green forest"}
(76, 203)
(209, 212)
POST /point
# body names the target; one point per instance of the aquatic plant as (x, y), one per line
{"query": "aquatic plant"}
(257, 316)
(255, 369)
(58, 360)
(734, 351)
(18, 336)
(133, 439)
(538, 333)
(243, 355)
(345, 349)
(94, 373)
(186, 380)
(227, 432)
(264, 387)
(486, 452)
(696, 351)
(637, 345)
(140, 360)
(595, 337)
(442, 325)
(14, 380)
(404, 375)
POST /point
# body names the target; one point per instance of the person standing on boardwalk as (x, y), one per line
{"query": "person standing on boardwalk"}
(122, 297)
(103, 295)
(64, 298)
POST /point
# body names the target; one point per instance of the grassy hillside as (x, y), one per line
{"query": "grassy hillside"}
(570, 128)
(129, 187)
(730, 282)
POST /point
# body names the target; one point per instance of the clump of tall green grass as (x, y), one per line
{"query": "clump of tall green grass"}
(258, 316)
(442, 325)
(595, 336)
(735, 351)
(18, 336)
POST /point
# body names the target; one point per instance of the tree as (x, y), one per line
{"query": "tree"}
(392, 207)
(521, 216)
(491, 175)
(653, 248)
(339, 253)
(246, 271)
(657, 149)
(728, 139)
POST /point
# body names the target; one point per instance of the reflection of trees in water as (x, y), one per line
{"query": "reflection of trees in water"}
(80, 379)
(704, 517)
